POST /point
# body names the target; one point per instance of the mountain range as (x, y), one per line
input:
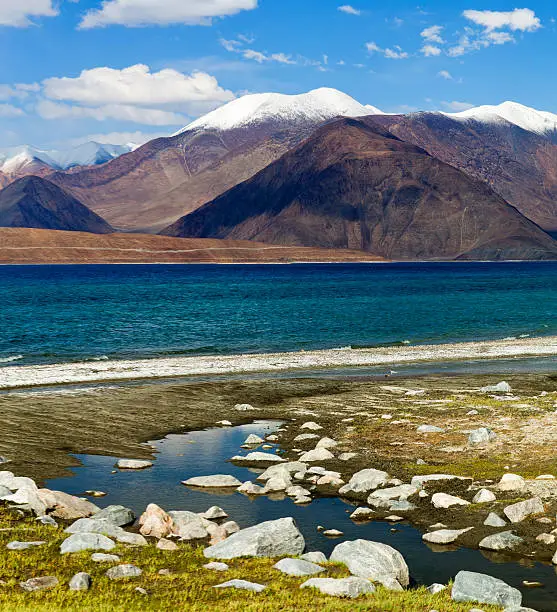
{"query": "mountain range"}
(322, 170)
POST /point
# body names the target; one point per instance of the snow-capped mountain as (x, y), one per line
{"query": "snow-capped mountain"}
(529, 119)
(313, 107)
(26, 159)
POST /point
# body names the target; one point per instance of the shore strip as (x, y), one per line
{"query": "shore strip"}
(174, 367)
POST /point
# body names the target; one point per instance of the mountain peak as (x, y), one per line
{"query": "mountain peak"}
(314, 106)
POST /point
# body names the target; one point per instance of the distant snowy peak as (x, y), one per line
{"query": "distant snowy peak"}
(313, 107)
(28, 159)
(529, 119)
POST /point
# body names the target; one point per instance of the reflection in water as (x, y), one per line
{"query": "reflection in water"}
(202, 453)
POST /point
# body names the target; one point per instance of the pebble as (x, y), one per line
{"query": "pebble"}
(241, 584)
(80, 582)
(333, 533)
(39, 584)
(123, 571)
(216, 566)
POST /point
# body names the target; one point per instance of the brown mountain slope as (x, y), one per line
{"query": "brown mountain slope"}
(353, 185)
(151, 187)
(32, 246)
(35, 202)
(518, 165)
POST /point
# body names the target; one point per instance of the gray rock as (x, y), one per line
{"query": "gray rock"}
(484, 496)
(189, 526)
(284, 469)
(104, 526)
(86, 541)
(347, 456)
(436, 587)
(231, 527)
(4, 491)
(340, 587)
(423, 481)
(494, 520)
(318, 454)
(429, 429)
(269, 539)
(253, 440)
(444, 536)
(483, 435)
(401, 492)
(314, 557)
(23, 545)
(304, 437)
(214, 513)
(258, 458)
(249, 488)
(402, 506)
(39, 584)
(444, 500)
(362, 514)
(164, 544)
(481, 588)
(374, 561)
(216, 481)
(522, 510)
(364, 481)
(104, 558)
(67, 507)
(243, 585)
(511, 482)
(504, 540)
(326, 443)
(502, 387)
(298, 567)
(215, 566)
(312, 426)
(47, 520)
(80, 582)
(119, 515)
(28, 498)
(123, 571)
(133, 464)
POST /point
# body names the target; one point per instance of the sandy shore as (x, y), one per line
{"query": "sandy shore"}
(28, 376)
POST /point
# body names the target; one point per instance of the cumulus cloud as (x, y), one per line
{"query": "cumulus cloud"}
(431, 51)
(395, 53)
(237, 46)
(445, 74)
(19, 13)
(521, 20)
(8, 110)
(136, 13)
(349, 10)
(433, 34)
(19, 90)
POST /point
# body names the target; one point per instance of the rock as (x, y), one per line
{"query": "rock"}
(96, 493)
(554, 559)
(326, 443)
(272, 438)
(340, 587)
(401, 506)
(347, 456)
(29, 498)
(244, 407)
(141, 590)
(104, 526)
(190, 526)
(86, 541)
(80, 582)
(304, 437)
(312, 426)
(444, 536)
(22, 482)
(330, 480)
(546, 538)
(269, 539)
(362, 514)
(511, 482)
(364, 481)
(23, 545)
(217, 533)
(253, 440)
(401, 492)
(484, 496)
(283, 469)
(298, 567)
(314, 557)
(472, 413)
(422, 481)
(545, 477)
(155, 522)
(67, 507)
(502, 387)
(483, 435)
(494, 520)
(472, 586)
(244, 585)
(169, 545)
(302, 500)
(522, 510)
(119, 515)
(297, 491)
(250, 488)
(443, 500)
(258, 458)
(216, 481)
(214, 513)
(6, 479)
(104, 558)
(224, 423)
(277, 484)
(504, 540)
(39, 584)
(393, 518)
(374, 561)
(4, 491)
(333, 533)
(123, 571)
(430, 429)
(215, 566)
(133, 464)
(318, 454)
(436, 588)
(47, 520)
(230, 527)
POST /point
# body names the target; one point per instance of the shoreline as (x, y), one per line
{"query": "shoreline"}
(13, 377)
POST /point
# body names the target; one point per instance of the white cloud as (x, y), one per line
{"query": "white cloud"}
(522, 20)
(18, 13)
(282, 58)
(349, 10)
(8, 110)
(457, 107)
(19, 90)
(136, 13)
(445, 74)
(396, 53)
(137, 85)
(236, 46)
(499, 38)
(433, 34)
(431, 51)
(255, 55)
(119, 112)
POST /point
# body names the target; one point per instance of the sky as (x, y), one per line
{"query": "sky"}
(121, 71)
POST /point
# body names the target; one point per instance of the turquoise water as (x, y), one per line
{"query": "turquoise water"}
(53, 314)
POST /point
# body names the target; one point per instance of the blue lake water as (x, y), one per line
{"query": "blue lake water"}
(201, 453)
(53, 314)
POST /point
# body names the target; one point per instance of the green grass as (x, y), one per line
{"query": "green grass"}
(188, 587)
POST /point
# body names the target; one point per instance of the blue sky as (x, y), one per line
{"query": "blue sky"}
(124, 70)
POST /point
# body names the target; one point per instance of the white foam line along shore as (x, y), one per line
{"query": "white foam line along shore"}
(173, 367)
